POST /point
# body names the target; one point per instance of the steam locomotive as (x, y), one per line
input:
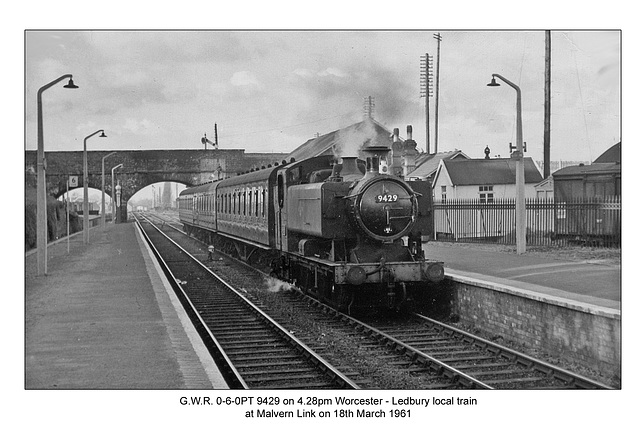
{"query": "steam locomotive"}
(343, 230)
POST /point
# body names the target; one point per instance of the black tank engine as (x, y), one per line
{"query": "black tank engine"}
(342, 229)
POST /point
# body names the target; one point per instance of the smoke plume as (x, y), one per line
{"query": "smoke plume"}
(351, 140)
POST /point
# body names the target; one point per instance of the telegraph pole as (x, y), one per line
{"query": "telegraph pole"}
(426, 83)
(369, 106)
(439, 38)
(547, 106)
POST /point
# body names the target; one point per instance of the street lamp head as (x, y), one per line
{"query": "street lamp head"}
(70, 84)
(493, 83)
(102, 135)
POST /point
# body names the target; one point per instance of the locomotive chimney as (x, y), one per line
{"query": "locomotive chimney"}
(346, 169)
(350, 170)
(397, 151)
(409, 153)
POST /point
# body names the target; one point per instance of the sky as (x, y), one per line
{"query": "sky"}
(270, 91)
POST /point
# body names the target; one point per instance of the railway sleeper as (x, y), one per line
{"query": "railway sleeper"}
(231, 343)
(259, 365)
(438, 345)
(465, 359)
(493, 365)
(278, 374)
(287, 377)
(492, 373)
(533, 380)
(276, 347)
(262, 358)
(460, 355)
(257, 331)
(307, 386)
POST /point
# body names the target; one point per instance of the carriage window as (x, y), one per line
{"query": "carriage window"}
(255, 198)
(264, 201)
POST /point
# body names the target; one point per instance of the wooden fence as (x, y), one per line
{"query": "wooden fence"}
(594, 221)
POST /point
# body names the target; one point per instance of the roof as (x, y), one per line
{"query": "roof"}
(348, 140)
(591, 169)
(428, 163)
(611, 155)
(468, 172)
(206, 187)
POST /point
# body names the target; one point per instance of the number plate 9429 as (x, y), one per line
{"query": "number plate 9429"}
(387, 198)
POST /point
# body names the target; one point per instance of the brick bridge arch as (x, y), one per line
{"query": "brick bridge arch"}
(141, 168)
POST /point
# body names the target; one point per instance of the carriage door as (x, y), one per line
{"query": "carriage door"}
(281, 214)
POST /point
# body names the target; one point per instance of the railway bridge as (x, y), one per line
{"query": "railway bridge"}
(141, 168)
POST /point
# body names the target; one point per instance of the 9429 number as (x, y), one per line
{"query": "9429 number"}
(387, 198)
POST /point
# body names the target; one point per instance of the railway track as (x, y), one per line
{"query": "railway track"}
(493, 365)
(435, 355)
(252, 350)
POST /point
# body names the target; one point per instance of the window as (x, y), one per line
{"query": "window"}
(443, 193)
(255, 199)
(486, 194)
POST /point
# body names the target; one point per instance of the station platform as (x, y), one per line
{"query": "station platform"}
(589, 282)
(104, 317)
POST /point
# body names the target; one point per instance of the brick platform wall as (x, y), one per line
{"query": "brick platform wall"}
(573, 331)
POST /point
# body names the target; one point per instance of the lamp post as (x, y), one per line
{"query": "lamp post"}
(41, 187)
(102, 208)
(518, 156)
(113, 194)
(85, 183)
(118, 195)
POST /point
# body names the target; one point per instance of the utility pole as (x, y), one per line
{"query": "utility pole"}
(369, 106)
(439, 38)
(547, 106)
(426, 83)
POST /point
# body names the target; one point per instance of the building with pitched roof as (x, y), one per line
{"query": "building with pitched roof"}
(348, 141)
(427, 164)
(484, 179)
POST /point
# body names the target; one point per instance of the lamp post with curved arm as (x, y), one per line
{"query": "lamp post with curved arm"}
(102, 209)
(41, 187)
(85, 182)
(113, 194)
(518, 156)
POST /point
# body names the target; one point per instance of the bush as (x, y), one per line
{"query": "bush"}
(56, 219)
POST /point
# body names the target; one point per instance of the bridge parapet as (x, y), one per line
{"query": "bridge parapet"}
(142, 168)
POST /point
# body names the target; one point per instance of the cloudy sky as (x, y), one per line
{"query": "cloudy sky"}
(270, 91)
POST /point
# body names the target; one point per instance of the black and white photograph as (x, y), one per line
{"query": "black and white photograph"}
(305, 233)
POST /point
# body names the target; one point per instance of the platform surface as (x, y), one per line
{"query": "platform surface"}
(586, 281)
(103, 318)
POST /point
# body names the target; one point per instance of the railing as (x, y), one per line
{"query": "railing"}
(593, 222)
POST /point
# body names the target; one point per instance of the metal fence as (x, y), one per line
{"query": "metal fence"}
(593, 222)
